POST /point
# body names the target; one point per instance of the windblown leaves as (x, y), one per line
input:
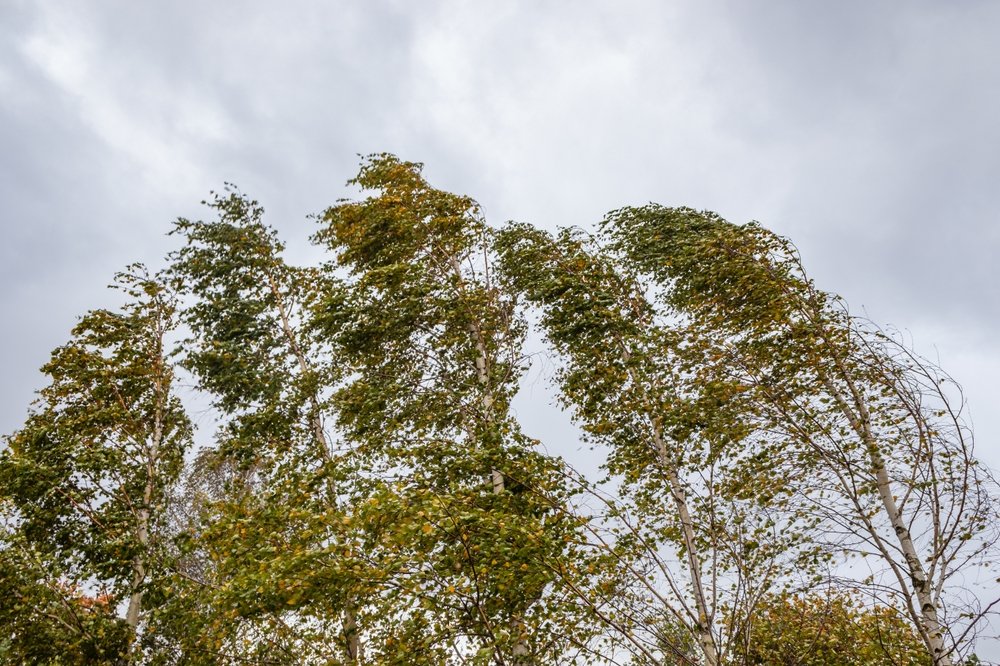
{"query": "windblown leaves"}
(433, 344)
(878, 430)
(89, 474)
(370, 498)
(643, 383)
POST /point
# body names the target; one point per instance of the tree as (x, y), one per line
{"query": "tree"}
(878, 431)
(370, 496)
(392, 485)
(88, 473)
(253, 351)
(697, 490)
(434, 348)
(49, 620)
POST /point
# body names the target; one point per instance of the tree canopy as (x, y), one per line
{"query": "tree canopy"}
(783, 482)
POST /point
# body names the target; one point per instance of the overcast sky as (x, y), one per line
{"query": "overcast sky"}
(867, 132)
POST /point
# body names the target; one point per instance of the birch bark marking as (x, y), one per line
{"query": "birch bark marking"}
(316, 423)
(152, 456)
(354, 647)
(520, 654)
(482, 371)
(930, 624)
(703, 629)
(138, 569)
(352, 636)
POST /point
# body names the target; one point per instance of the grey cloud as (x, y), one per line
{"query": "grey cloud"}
(884, 121)
(864, 131)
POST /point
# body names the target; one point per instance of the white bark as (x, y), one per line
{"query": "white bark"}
(352, 635)
(929, 622)
(521, 652)
(134, 611)
(354, 646)
(703, 628)
(151, 459)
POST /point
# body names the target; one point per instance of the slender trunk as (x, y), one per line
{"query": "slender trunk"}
(142, 526)
(487, 399)
(928, 621)
(703, 628)
(138, 573)
(482, 373)
(930, 624)
(521, 652)
(351, 632)
(315, 421)
(323, 448)
(132, 615)
(703, 625)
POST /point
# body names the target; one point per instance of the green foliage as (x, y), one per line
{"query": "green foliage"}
(433, 344)
(421, 312)
(877, 429)
(47, 620)
(249, 349)
(370, 497)
(831, 629)
(88, 475)
(660, 398)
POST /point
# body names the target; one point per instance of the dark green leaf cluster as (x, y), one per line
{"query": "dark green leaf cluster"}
(88, 475)
(369, 496)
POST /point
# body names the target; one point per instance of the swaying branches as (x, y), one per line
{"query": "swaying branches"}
(89, 473)
(880, 438)
(784, 480)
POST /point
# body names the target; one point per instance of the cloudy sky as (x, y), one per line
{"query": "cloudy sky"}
(866, 131)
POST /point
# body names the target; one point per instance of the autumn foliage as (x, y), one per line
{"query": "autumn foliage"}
(362, 489)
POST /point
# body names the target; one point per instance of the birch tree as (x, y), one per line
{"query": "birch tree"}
(706, 528)
(887, 459)
(434, 349)
(371, 498)
(89, 471)
(287, 587)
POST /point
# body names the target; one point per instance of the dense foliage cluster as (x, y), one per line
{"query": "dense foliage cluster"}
(785, 483)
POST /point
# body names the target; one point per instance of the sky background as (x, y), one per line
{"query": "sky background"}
(867, 132)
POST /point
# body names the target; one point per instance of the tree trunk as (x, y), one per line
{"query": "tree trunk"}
(521, 652)
(138, 572)
(930, 625)
(928, 621)
(351, 632)
(703, 628)
(142, 527)
(323, 448)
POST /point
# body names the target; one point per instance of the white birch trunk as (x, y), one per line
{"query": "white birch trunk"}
(928, 620)
(703, 628)
(521, 652)
(354, 646)
(132, 615)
